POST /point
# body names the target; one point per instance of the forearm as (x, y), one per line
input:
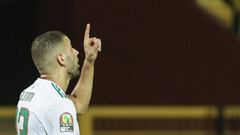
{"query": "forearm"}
(82, 92)
(83, 89)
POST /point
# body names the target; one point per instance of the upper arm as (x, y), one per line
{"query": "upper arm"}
(61, 119)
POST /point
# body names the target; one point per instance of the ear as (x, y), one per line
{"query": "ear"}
(61, 59)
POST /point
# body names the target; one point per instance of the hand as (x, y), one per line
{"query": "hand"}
(91, 46)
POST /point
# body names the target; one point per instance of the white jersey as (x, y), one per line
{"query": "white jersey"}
(44, 109)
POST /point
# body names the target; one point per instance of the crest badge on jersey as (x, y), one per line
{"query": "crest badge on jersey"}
(66, 122)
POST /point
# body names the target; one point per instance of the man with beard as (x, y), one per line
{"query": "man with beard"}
(43, 107)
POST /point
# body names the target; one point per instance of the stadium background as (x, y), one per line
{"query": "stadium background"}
(170, 62)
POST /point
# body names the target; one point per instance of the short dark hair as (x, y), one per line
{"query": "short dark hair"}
(44, 44)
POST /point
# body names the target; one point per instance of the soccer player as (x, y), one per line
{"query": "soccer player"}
(43, 107)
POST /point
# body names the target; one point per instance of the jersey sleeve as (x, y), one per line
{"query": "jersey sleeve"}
(60, 119)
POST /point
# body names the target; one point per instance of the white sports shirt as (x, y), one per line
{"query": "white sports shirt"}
(44, 109)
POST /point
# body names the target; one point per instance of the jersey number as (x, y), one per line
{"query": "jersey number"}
(22, 118)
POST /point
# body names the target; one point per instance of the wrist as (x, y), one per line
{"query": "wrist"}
(88, 62)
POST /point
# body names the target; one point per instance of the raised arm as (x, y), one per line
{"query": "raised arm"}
(82, 92)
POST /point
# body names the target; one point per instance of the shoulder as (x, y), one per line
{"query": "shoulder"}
(62, 105)
(39, 97)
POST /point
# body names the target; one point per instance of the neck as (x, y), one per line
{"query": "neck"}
(62, 81)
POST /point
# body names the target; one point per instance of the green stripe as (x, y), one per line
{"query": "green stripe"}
(58, 91)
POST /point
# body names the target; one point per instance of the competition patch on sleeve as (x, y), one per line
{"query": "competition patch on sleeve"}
(66, 122)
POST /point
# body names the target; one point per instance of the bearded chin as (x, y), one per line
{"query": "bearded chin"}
(75, 73)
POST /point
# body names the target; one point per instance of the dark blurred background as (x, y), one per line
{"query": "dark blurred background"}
(154, 52)
(18, 28)
(167, 67)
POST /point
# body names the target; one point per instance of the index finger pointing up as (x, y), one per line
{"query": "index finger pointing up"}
(87, 31)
